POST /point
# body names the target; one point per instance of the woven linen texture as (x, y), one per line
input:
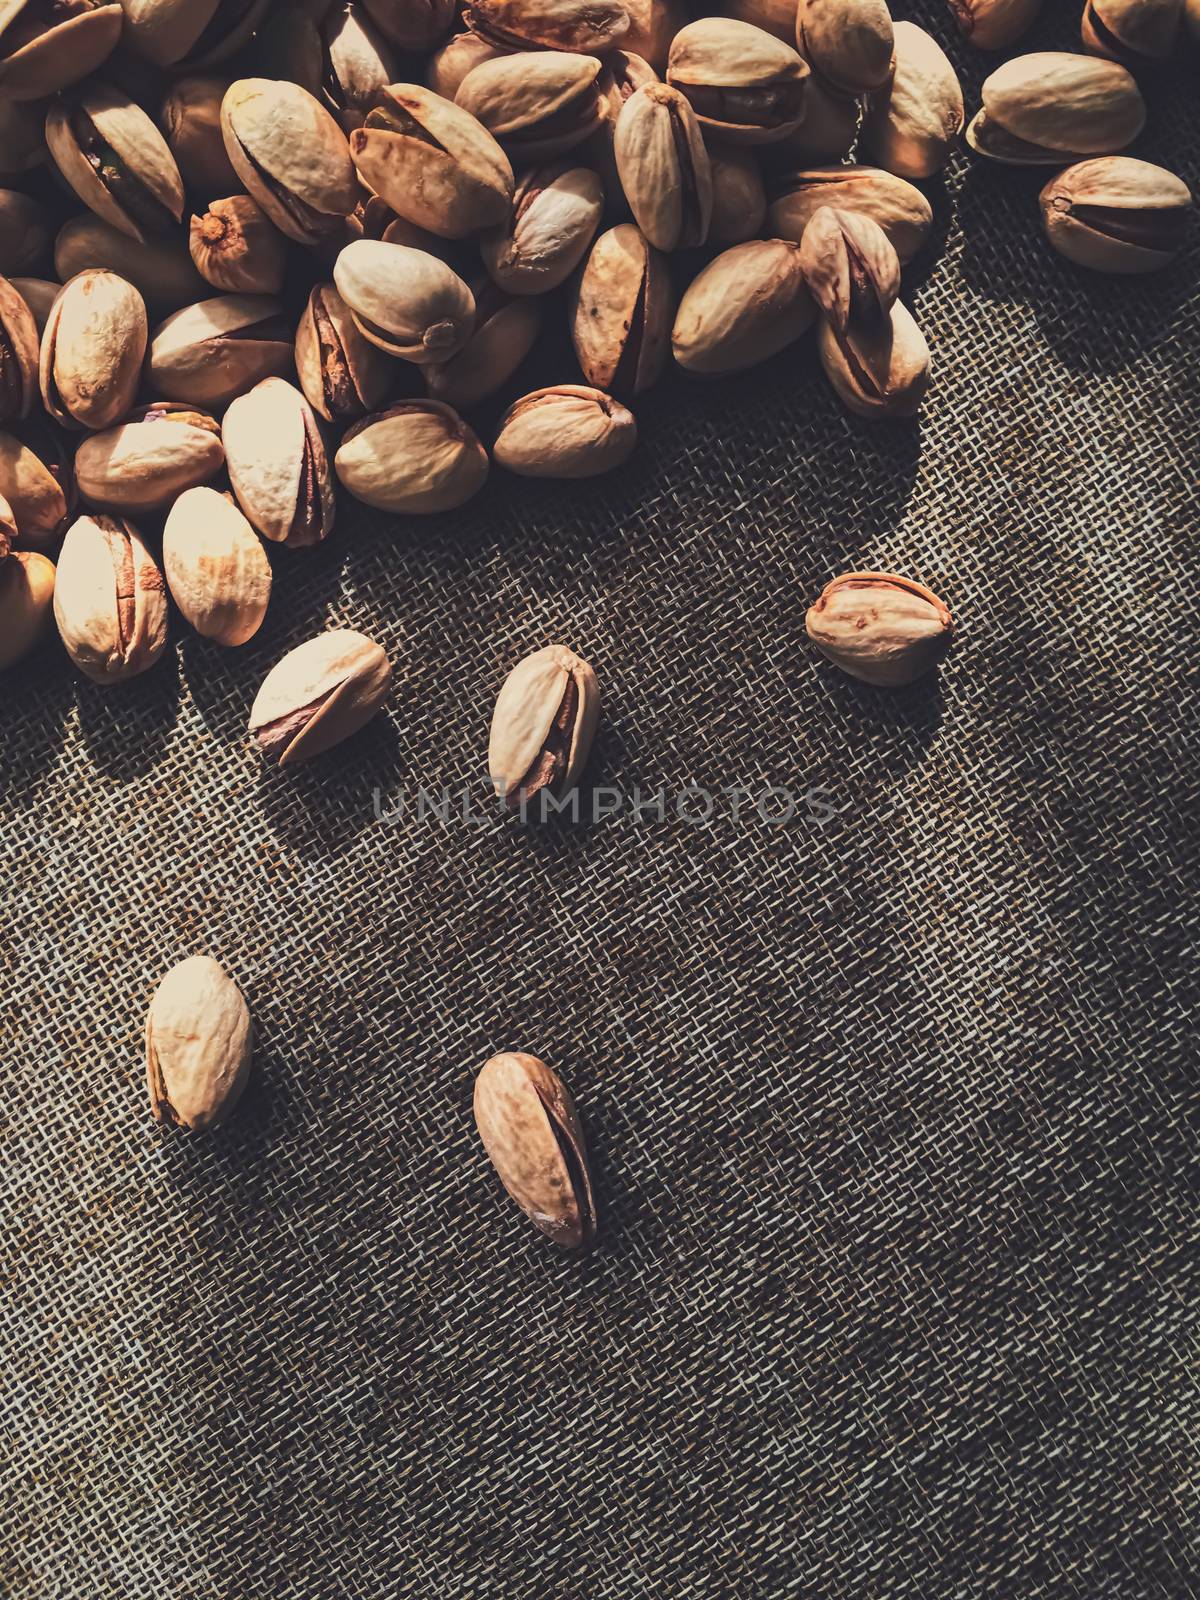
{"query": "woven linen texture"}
(889, 1102)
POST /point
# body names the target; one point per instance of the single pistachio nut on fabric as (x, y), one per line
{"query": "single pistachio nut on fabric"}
(92, 350)
(1050, 108)
(215, 566)
(24, 232)
(277, 464)
(621, 311)
(110, 602)
(532, 1134)
(143, 463)
(851, 267)
(565, 431)
(994, 24)
(739, 200)
(237, 248)
(745, 85)
(898, 206)
(416, 457)
(195, 33)
(543, 725)
(116, 160)
(877, 372)
(412, 24)
(18, 353)
(553, 217)
(588, 26)
(1131, 31)
(190, 118)
(462, 52)
(319, 694)
(47, 47)
(207, 354)
(848, 42)
(664, 167)
(405, 301)
(537, 103)
(291, 156)
(884, 630)
(343, 375)
(745, 306)
(199, 1041)
(914, 120)
(432, 162)
(39, 295)
(1115, 214)
(159, 269)
(504, 334)
(36, 479)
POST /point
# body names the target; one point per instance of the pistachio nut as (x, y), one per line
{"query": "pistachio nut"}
(171, 33)
(18, 353)
(190, 118)
(505, 330)
(899, 208)
(588, 26)
(1047, 108)
(92, 350)
(652, 26)
(237, 248)
(405, 301)
(291, 156)
(416, 457)
(531, 1131)
(851, 268)
(39, 295)
(199, 1040)
(110, 601)
(915, 119)
(447, 67)
(664, 167)
(277, 465)
(142, 464)
(343, 375)
(26, 599)
(115, 159)
(210, 352)
(536, 104)
(412, 24)
(621, 75)
(554, 215)
(827, 131)
(432, 162)
(159, 269)
(22, 138)
(319, 694)
(994, 24)
(566, 431)
(36, 480)
(884, 630)
(739, 203)
(621, 312)
(24, 232)
(877, 372)
(746, 305)
(543, 725)
(1115, 214)
(348, 61)
(1131, 31)
(848, 42)
(45, 47)
(773, 16)
(215, 566)
(8, 528)
(745, 85)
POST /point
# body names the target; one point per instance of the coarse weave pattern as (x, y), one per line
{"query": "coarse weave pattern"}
(888, 1101)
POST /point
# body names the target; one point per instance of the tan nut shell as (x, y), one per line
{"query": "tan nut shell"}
(343, 375)
(190, 118)
(462, 52)
(537, 103)
(566, 431)
(1045, 107)
(237, 248)
(59, 54)
(849, 42)
(92, 350)
(191, 358)
(827, 131)
(525, 710)
(26, 602)
(850, 265)
(159, 269)
(876, 374)
(621, 312)
(588, 26)
(40, 500)
(417, 457)
(994, 24)
(739, 201)
(39, 295)
(746, 305)
(915, 120)
(319, 694)
(505, 331)
(880, 628)
(215, 566)
(1116, 214)
(110, 601)
(276, 457)
(555, 212)
(142, 464)
(745, 85)
(1131, 30)
(199, 1041)
(405, 301)
(19, 346)
(133, 136)
(664, 167)
(899, 208)
(280, 139)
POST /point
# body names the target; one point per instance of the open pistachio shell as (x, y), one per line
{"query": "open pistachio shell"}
(40, 54)
(116, 160)
(207, 353)
(291, 155)
(745, 86)
(277, 464)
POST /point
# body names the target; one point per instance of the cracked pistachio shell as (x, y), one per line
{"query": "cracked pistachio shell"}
(237, 248)
(319, 694)
(851, 267)
(1131, 31)
(92, 350)
(39, 295)
(277, 464)
(537, 103)
(899, 208)
(412, 24)
(1043, 109)
(190, 118)
(405, 301)
(416, 457)
(849, 42)
(588, 26)
(42, 51)
(994, 24)
(159, 269)
(343, 375)
(1115, 214)
(18, 353)
(505, 331)
(531, 1131)
(142, 464)
(110, 601)
(745, 306)
(739, 203)
(882, 629)
(291, 156)
(216, 567)
(880, 372)
(26, 600)
(36, 480)
(664, 167)
(168, 32)
(432, 162)
(914, 121)
(543, 725)
(24, 232)
(447, 67)
(116, 160)
(361, 62)
(208, 353)
(199, 1041)
(621, 312)
(554, 214)
(745, 85)
(566, 431)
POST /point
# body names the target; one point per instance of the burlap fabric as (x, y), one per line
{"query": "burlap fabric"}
(888, 1100)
